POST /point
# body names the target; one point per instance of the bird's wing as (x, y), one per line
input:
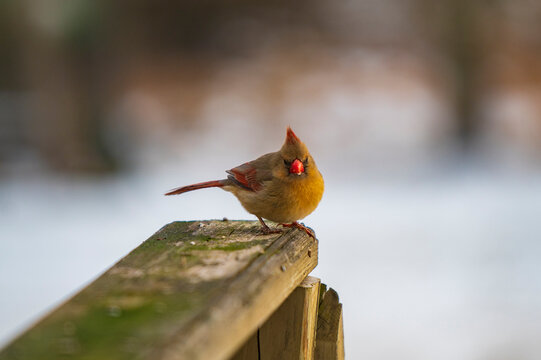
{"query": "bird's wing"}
(245, 175)
(251, 175)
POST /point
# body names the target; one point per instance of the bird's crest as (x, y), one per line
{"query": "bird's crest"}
(291, 138)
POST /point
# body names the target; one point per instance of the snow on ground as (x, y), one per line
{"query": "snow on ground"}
(446, 267)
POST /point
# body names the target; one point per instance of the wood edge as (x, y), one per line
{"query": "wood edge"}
(230, 327)
(330, 332)
(312, 286)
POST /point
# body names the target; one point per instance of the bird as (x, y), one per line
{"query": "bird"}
(283, 186)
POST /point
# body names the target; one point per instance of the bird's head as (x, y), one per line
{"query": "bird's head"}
(294, 154)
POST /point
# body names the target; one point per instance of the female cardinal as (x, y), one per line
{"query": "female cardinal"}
(282, 186)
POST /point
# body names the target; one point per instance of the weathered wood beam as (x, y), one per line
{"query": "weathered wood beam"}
(194, 290)
(330, 327)
(289, 334)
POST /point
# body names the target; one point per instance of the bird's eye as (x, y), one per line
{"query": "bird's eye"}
(305, 161)
(287, 163)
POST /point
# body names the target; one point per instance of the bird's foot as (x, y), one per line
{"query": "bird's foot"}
(267, 230)
(307, 230)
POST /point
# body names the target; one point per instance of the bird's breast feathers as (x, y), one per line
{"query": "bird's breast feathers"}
(303, 195)
(283, 200)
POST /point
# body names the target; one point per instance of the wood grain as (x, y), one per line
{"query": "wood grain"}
(330, 328)
(194, 290)
(290, 332)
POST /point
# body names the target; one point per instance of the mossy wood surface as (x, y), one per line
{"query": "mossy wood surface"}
(194, 290)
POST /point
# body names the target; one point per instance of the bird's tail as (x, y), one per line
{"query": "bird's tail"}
(206, 184)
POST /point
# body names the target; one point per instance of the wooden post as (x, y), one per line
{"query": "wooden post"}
(194, 290)
(330, 328)
(289, 334)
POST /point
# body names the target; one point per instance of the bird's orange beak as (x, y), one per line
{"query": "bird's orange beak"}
(297, 167)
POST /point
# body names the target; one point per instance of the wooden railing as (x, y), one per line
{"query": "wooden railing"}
(198, 290)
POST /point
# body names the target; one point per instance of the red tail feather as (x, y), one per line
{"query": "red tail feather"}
(206, 184)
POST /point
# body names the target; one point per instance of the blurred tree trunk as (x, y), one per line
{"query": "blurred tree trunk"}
(464, 51)
(453, 27)
(59, 66)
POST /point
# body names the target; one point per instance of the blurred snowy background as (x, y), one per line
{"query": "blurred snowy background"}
(424, 118)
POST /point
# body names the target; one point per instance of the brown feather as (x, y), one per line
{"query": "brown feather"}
(246, 175)
(291, 138)
(206, 184)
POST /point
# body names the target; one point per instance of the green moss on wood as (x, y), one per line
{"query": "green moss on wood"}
(129, 312)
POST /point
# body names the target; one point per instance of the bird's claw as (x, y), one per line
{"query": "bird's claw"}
(268, 230)
(306, 229)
